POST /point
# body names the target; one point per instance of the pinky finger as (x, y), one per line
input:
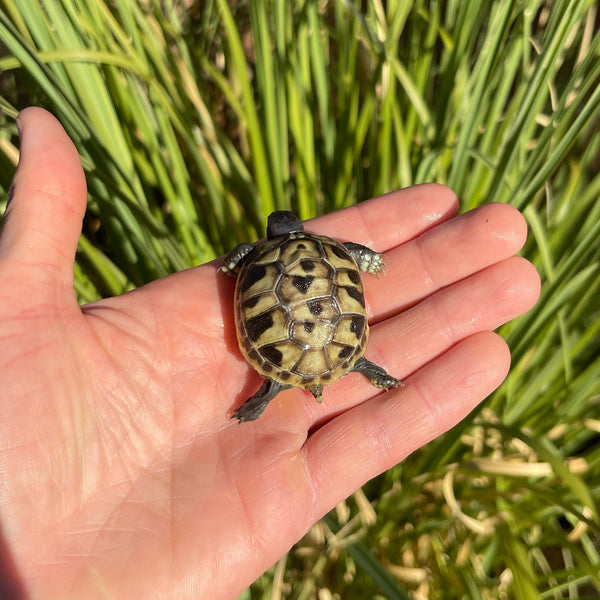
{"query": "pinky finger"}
(363, 442)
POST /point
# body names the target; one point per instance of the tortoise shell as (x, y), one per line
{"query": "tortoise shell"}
(300, 310)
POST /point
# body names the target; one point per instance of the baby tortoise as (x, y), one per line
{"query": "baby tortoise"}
(300, 311)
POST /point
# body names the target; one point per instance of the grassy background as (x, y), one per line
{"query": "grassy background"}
(194, 120)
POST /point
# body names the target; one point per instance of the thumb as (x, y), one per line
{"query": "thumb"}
(47, 202)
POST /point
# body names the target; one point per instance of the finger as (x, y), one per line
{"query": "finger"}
(48, 199)
(386, 221)
(448, 253)
(404, 343)
(372, 437)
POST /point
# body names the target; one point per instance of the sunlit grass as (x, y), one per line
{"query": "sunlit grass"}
(194, 123)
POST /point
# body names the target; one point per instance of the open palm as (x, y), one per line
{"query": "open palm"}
(122, 472)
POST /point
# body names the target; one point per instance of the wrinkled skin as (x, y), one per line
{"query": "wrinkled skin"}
(122, 473)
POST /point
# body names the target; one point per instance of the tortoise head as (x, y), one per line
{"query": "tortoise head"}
(283, 222)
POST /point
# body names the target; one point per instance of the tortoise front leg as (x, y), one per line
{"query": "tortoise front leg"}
(378, 376)
(367, 260)
(256, 404)
(233, 261)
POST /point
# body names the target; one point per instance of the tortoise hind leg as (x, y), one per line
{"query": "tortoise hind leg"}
(379, 377)
(256, 404)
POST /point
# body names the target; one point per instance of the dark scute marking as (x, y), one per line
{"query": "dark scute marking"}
(302, 283)
(253, 274)
(339, 252)
(307, 379)
(284, 375)
(301, 246)
(356, 294)
(251, 302)
(309, 326)
(307, 265)
(357, 326)
(273, 354)
(345, 352)
(315, 308)
(256, 326)
(253, 354)
(326, 377)
(354, 277)
(266, 366)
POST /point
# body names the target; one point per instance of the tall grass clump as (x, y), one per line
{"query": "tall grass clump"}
(194, 120)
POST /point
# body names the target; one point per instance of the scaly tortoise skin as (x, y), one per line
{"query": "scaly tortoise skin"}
(300, 311)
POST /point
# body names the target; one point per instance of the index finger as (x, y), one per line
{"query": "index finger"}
(387, 221)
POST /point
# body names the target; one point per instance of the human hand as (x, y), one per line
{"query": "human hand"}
(122, 472)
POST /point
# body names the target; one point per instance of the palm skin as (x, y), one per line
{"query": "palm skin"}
(122, 473)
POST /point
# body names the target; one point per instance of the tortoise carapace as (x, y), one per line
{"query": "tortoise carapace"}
(300, 311)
